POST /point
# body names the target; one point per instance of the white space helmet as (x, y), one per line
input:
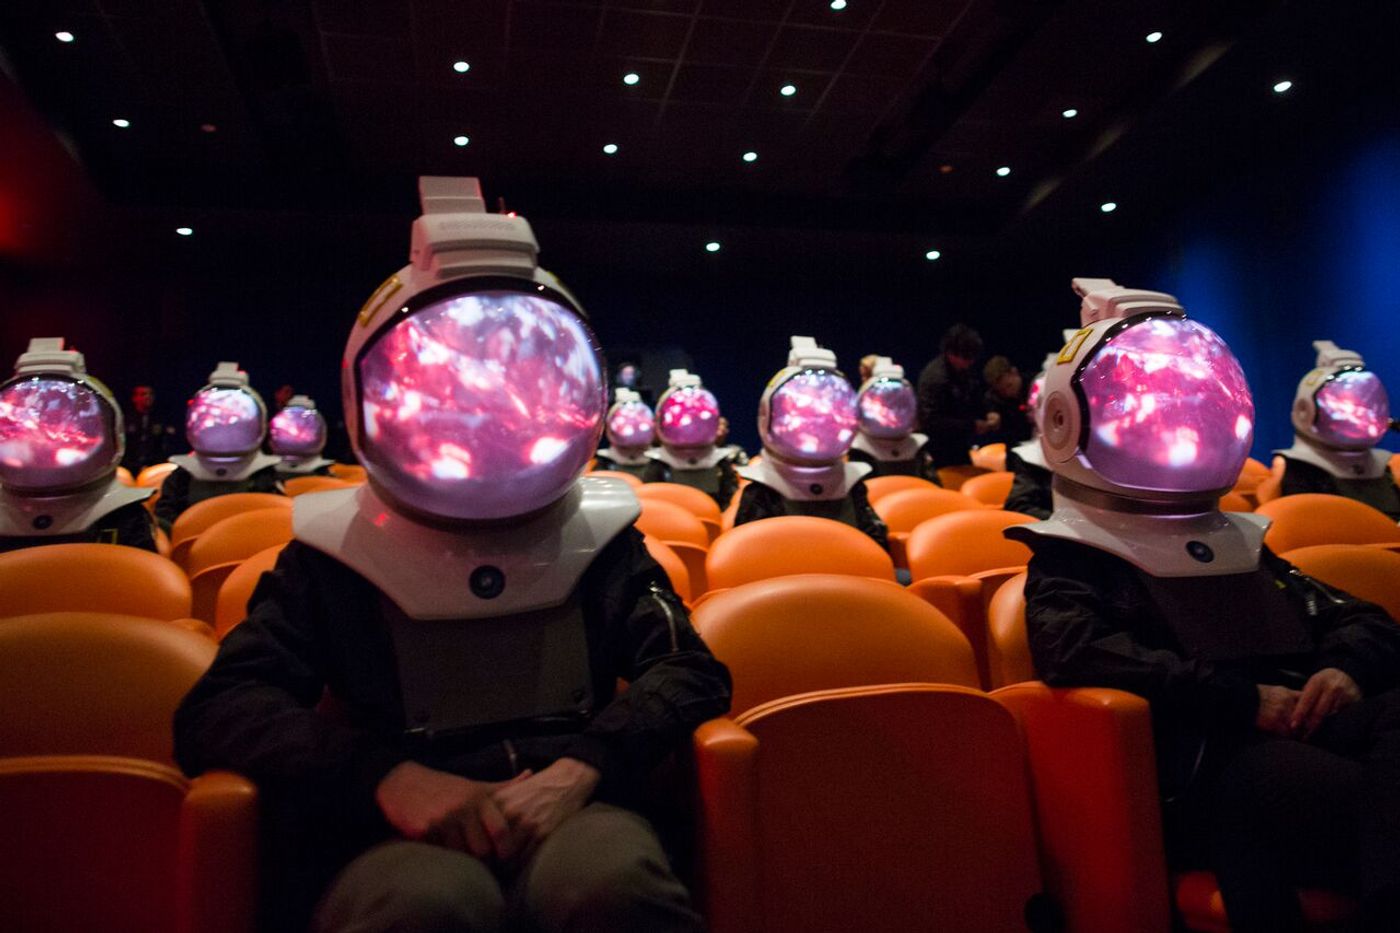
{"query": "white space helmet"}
(1341, 404)
(807, 415)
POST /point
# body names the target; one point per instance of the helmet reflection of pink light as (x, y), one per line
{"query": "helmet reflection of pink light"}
(224, 422)
(630, 425)
(297, 432)
(1169, 408)
(1353, 410)
(54, 434)
(689, 417)
(812, 417)
(481, 406)
(1033, 396)
(887, 408)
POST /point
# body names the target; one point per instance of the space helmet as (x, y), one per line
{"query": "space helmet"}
(630, 423)
(60, 429)
(226, 418)
(886, 407)
(687, 414)
(1144, 403)
(807, 415)
(1035, 397)
(474, 389)
(1341, 404)
(298, 431)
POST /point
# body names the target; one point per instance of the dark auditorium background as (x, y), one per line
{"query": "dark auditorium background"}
(288, 136)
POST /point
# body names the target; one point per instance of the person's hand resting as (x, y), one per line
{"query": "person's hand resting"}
(1326, 692)
(1276, 706)
(989, 423)
(535, 806)
(447, 810)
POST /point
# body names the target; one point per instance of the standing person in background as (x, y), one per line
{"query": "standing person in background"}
(1005, 397)
(951, 410)
(147, 439)
(867, 367)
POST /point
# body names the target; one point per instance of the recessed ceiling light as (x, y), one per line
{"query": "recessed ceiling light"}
(64, 36)
(185, 231)
(631, 78)
(208, 128)
(1003, 171)
(751, 156)
(838, 5)
(945, 169)
(461, 67)
(1282, 87)
(787, 90)
(1108, 207)
(1154, 37)
(460, 140)
(712, 246)
(1069, 114)
(610, 149)
(932, 255)
(121, 123)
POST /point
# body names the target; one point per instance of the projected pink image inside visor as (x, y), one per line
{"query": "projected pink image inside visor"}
(812, 417)
(1169, 408)
(297, 432)
(1353, 410)
(54, 434)
(224, 422)
(689, 417)
(630, 425)
(887, 408)
(481, 406)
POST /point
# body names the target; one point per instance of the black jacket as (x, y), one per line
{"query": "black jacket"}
(950, 404)
(1015, 424)
(759, 501)
(1379, 493)
(1030, 488)
(720, 483)
(1092, 622)
(181, 490)
(920, 465)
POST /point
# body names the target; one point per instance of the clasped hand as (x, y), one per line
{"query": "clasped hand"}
(1298, 713)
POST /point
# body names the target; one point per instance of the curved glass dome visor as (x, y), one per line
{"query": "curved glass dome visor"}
(297, 432)
(812, 417)
(481, 405)
(887, 408)
(224, 422)
(55, 433)
(1168, 408)
(688, 417)
(1353, 409)
(630, 424)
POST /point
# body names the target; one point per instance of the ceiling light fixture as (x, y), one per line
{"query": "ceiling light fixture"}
(838, 5)
(1282, 87)
(631, 78)
(461, 67)
(751, 156)
(185, 231)
(787, 90)
(1153, 38)
(1069, 114)
(712, 246)
(610, 149)
(932, 255)
(1003, 171)
(65, 36)
(460, 140)
(945, 169)
(121, 123)
(1108, 207)
(208, 128)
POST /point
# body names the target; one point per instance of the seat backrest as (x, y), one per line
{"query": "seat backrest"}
(627, 478)
(92, 578)
(155, 474)
(667, 521)
(1368, 573)
(966, 542)
(689, 498)
(95, 683)
(789, 544)
(1008, 648)
(231, 605)
(1234, 501)
(877, 487)
(794, 634)
(673, 565)
(350, 472)
(878, 805)
(952, 477)
(903, 511)
(990, 488)
(1317, 518)
(239, 537)
(200, 516)
(989, 456)
(300, 485)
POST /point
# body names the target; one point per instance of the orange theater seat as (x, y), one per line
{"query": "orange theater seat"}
(92, 578)
(155, 474)
(1270, 487)
(1316, 518)
(903, 510)
(1202, 907)
(627, 478)
(689, 498)
(790, 544)
(674, 567)
(990, 489)
(350, 472)
(194, 520)
(989, 457)
(299, 485)
(1235, 502)
(124, 476)
(878, 487)
(682, 532)
(1368, 573)
(1008, 649)
(952, 477)
(217, 552)
(231, 605)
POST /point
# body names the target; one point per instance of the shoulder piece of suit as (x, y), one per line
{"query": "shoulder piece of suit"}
(1209, 544)
(42, 516)
(890, 450)
(700, 459)
(1343, 464)
(428, 571)
(229, 470)
(1031, 452)
(805, 484)
(305, 467)
(616, 455)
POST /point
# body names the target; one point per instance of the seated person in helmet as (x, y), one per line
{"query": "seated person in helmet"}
(297, 434)
(630, 430)
(687, 423)
(887, 409)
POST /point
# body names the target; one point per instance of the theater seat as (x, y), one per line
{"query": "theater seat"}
(195, 519)
(1008, 651)
(1316, 518)
(903, 511)
(92, 578)
(673, 566)
(155, 474)
(952, 477)
(990, 489)
(989, 457)
(300, 485)
(231, 605)
(1368, 573)
(350, 472)
(689, 498)
(876, 488)
(1201, 908)
(789, 544)
(223, 546)
(682, 532)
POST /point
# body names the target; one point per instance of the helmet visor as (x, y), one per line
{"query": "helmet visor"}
(888, 408)
(812, 417)
(297, 432)
(688, 417)
(1353, 409)
(54, 434)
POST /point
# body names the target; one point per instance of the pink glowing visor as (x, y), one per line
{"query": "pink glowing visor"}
(482, 405)
(1168, 408)
(224, 422)
(688, 416)
(811, 417)
(296, 432)
(1353, 410)
(887, 408)
(55, 434)
(630, 425)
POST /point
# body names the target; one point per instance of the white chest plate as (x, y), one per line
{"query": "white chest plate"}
(1030, 452)
(890, 450)
(706, 460)
(68, 514)
(616, 455)
(224, 471)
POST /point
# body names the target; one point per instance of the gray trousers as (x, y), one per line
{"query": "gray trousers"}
(602, 870)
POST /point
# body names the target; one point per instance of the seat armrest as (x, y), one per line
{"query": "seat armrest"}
(726, 765)
(217, 884)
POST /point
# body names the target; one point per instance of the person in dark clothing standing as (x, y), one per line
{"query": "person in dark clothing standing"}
(469, 612)
(951, 407)
(148, 440)
(1274, 699)
(1005, 399)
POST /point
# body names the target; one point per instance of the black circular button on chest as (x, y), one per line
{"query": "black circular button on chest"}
(816, 489)
(43, 522)
(1200, 551)
(488, 582)
(221, 471)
